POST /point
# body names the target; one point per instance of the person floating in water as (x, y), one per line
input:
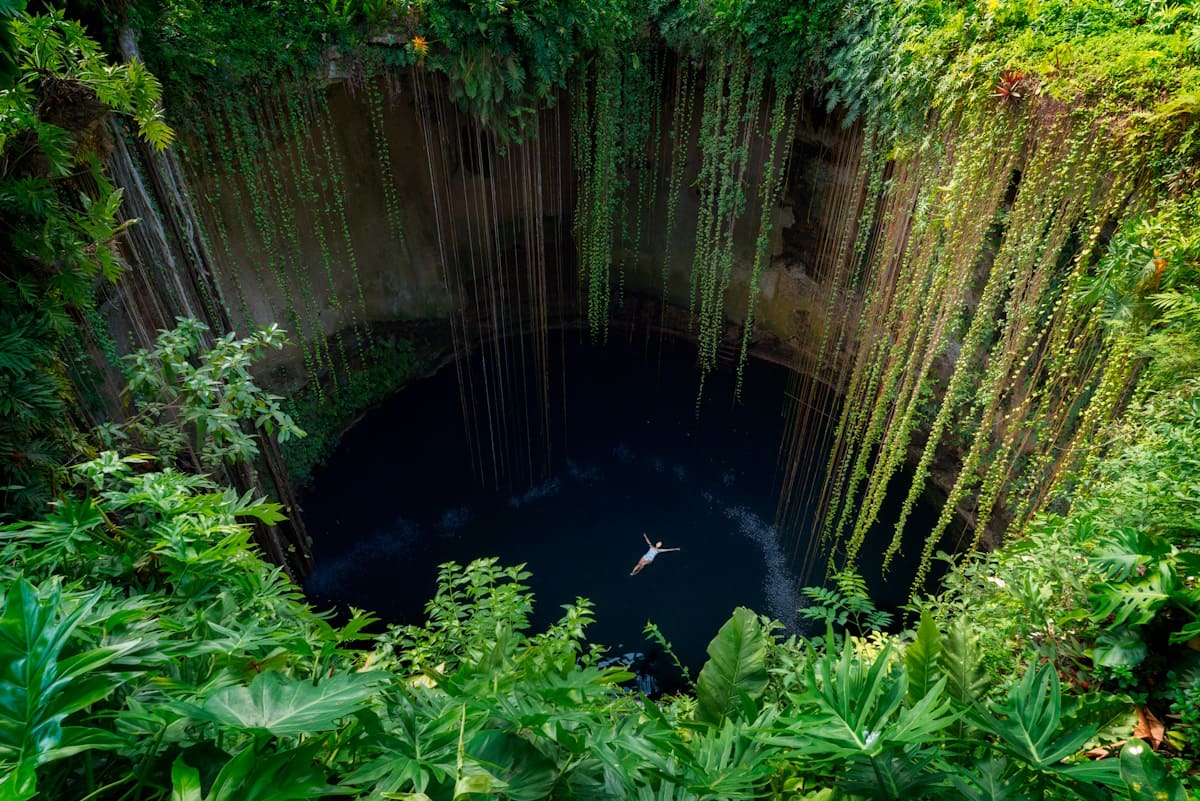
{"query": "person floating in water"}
(655, 549)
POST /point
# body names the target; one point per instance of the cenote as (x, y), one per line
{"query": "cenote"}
(629, 453)
(807, 291)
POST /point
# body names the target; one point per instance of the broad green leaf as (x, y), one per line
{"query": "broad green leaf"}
(1146, 776)
(1188, 632)
(897, 774)
(990, 781)
(477, 781)
(1122, 553)
(861, 704)
(1122, 645)
(1030, 729)
(528, 775)
(287, 706)
(727, 763)
(962, 664)
(425, 743)
(38, 690)
(921, 658)
(291, 775)
(185, 782)
(19, 783)
(1133, 604)
(737, 663)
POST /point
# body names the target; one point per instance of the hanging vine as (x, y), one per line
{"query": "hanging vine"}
(949, 251)
(336, 209)
(387, 180)
(682, 113)
(597, 147)
(784, 115)
(294, 255)
(249, 151)
(299, 132)
(732, 103)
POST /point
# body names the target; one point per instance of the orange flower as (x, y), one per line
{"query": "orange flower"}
(420, 44)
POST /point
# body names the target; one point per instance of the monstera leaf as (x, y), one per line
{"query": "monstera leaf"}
(1121, 645)
(736, 666)
(284, 706)
(1126, 553)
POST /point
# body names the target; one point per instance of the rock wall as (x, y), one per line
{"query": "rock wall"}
(423, 195)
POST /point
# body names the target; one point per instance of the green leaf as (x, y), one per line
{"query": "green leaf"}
(990, 781)
(1132, 604)
(1124, 551)
(921, 658)
(19, 784)
(285, 776)
(1145, 775)
(1032, 730)
(527, 774)
(476, 782)
(1120, 646)
(728, 763)
(38, 690)
(737, 663)
(286, 706)
(962, 664)
(185, 781)
(861, 704)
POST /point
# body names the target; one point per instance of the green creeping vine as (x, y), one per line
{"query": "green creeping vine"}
(641, 102)
(732, 105)
(971, 257)
(209, 216)
(597, 143)
(250, 153)
(337, 211)
(784, 115)
(270, 123)
(298, 132)
(616, 134)
(682, 114)
(383, 155)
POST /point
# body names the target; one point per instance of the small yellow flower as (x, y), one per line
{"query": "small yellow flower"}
(420, 44)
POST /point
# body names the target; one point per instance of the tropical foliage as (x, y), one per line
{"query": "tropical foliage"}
(1034, 163)
(59, 217)
(195, 404)
(147, 651)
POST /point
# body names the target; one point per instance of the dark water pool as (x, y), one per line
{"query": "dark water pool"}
(628, 456)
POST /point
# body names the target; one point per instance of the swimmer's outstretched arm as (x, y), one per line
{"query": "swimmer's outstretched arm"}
(647, 539)
(664, 550)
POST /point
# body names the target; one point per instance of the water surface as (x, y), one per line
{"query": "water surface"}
(628, 456)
